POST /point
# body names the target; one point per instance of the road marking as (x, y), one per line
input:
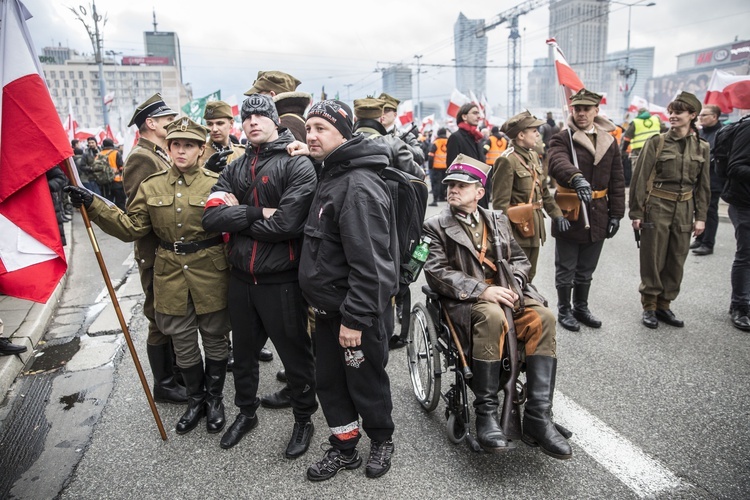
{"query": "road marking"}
(638, 471)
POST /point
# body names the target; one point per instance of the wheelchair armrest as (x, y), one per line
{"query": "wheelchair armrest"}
(429, 293)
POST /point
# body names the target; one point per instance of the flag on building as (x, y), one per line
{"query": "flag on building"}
(405, 112)
(728, 91)
(457, 100)
(32, 260)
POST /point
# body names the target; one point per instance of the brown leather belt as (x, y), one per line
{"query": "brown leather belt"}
(594, 194)
(671, 195)
(185, 247)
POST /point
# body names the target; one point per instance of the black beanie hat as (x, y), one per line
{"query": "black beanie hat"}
(334, 112)
(260, 104)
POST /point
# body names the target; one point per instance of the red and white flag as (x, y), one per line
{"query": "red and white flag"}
(457, 100)
(639, 102)
(427, 122)
(405, 112)
(565, 74)
(71, 125)
(728, 91)
(32, 260)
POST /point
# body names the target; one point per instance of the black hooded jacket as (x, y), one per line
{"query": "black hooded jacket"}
(263, 250)
(350, 250)
(737, 174)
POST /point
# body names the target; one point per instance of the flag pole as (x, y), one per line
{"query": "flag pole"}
(123, 325)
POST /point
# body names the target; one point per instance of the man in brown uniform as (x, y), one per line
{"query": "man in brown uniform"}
(290, 104)
(519, 178)
(220, 151)
(149, 157)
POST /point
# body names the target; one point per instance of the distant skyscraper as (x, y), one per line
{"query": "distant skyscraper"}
(642, 60)
(397, 82)
(164, 44)
(471, 55)
(580, 28)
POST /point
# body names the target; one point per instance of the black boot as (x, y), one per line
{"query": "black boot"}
(486, 384)
(194, 381)
(216, 373)
(581, 306)
(538, 428)
(230, 358)
(166, 388)
(564, 312)
(280, 399)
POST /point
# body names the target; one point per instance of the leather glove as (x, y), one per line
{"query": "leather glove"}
(218, 161)
(562, 224)
(79, 196)
(582, 187)
(612, 227)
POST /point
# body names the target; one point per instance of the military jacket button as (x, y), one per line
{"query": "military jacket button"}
(179, 195)
(179, 210)
(179, 224)
(185, 266)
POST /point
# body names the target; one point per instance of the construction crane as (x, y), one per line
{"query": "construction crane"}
(511, 16)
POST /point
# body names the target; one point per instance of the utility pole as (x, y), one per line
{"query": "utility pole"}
(97, 43)
(419, 102)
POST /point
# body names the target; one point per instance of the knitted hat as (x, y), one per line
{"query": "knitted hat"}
(259, 104)
(334, 112)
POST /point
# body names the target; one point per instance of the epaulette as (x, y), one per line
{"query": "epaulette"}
(209, 173)
(508, 151)
(155, 174)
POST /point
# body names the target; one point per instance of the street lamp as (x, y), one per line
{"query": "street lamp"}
(97, 43)
(627, 72)
(419, 102)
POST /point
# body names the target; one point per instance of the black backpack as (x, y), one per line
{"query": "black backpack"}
(409, 200)
(723, 145)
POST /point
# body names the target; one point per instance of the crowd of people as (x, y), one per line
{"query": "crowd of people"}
(294, 234)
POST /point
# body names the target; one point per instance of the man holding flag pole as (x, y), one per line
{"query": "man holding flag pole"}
(585, 161)
(32, 261)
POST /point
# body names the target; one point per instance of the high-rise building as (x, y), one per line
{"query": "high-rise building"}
(541, 84)
(471, 55)
(164, 44)
(397, 82)
(580, 28)
(56, 55)
(618, 91)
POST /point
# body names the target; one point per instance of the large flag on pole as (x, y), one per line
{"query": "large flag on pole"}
(457, 100)
(32, 260)
(728, 91)
(405, 113)
(565, 74)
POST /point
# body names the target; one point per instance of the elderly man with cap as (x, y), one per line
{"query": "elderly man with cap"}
(669, 197)
(389, 122)
(519, 181)
(348, 273)
(262, 200)
(146, 158)
(190, 288)
(221, 150)
(584, 160)
(462, 267)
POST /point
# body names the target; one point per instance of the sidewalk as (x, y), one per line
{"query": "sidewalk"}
(26, 323)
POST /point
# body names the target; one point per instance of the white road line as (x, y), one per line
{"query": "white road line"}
(638, 471)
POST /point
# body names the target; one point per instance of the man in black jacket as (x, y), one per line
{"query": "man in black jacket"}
(710, 126)
(262, 200)
(348, 275)
(737, 193)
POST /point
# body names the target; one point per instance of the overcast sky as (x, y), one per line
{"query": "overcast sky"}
(341, 44)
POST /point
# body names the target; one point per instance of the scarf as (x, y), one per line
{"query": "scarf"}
(471, 129)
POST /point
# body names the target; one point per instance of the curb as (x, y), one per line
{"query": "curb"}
(33, 327)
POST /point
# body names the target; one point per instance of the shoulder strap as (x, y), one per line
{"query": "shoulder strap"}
(533, 173)
(652, 175)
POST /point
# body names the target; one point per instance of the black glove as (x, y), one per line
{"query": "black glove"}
(562, 224)
(218, 161)
(582, 187)
(612, 227)
(79, 196)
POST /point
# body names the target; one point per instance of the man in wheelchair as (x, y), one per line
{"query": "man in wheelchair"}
(463, 267)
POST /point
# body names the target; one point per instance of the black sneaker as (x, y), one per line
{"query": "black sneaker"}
(332, 462)
(380, 458)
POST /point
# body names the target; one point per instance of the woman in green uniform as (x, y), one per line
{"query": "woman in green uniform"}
(518, 178)
(669, 196)
(191, 273)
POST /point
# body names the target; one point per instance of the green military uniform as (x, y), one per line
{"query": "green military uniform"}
(188, 283)
(669, 190)
(215, 110)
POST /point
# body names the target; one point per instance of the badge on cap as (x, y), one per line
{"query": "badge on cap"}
(184, 124)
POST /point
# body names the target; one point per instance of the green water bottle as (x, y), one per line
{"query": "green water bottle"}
(418, 258)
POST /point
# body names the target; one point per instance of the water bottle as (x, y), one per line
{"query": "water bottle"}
(417, 259)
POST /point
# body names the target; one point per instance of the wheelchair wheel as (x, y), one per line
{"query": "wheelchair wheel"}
(423, 358)
(456, 429)
(457, 413)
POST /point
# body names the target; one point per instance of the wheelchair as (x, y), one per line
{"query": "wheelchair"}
(430, 342)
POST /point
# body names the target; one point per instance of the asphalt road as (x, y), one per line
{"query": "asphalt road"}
(655, 413)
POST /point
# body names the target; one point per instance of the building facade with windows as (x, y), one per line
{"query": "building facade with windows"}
(471, 55)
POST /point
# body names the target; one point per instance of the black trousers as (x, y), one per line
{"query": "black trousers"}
(278, 311)
(708, 237)
(575, 263)
(353, 383)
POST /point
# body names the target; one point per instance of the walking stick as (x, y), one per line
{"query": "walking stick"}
(103, 267)
(464, 365)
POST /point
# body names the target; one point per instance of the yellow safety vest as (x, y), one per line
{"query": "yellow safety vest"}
(644, 128)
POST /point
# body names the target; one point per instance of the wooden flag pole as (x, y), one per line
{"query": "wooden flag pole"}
(105, 274)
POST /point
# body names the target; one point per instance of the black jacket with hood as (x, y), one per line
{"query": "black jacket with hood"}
(263, 250)
(350, 251)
